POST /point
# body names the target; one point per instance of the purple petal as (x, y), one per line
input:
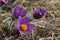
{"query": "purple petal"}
(39, 13)
(28, 32)
(0, 0)
(31, 26)
(42, 10)
(16, 11)
(17, 26)
(22, 32)
(20, 19)
(19, 11)
(23, 12)
(26, 20)
(19, 23)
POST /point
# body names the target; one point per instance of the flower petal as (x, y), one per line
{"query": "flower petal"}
(22, 32)
(25, 20)
(19, 11)
(42, 10)
(39, 13)
(17, 26)
(19, 23)
(23, 12)
(28, 32)
(16, 11)
(20, 19)
(31, 26)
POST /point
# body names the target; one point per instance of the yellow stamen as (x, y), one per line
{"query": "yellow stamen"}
(24, 27)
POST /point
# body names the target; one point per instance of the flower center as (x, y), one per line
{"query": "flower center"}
(24, 27)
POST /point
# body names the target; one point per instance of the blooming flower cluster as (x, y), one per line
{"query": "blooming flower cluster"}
(24, 26)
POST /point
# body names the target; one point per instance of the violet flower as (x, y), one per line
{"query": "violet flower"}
(4, 1)
(19, 11)
(39, 13)
(24, 26)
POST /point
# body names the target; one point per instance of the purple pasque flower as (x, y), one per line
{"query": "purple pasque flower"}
(39, 13)
(4, 1)
(24, 26)
(19, 11)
